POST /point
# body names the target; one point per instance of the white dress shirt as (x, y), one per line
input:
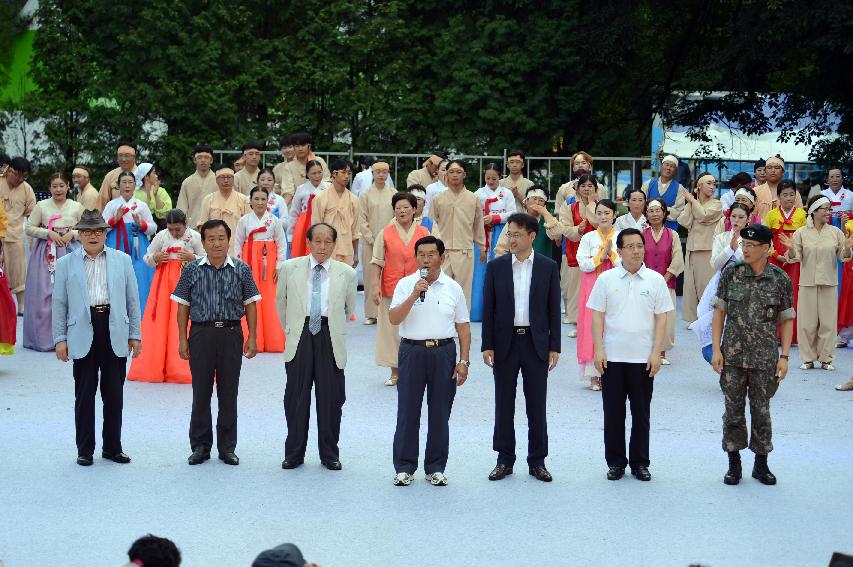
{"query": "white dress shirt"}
(324, 285)
(96, 278)
(629, 303)
(522, 273)
(443, 306)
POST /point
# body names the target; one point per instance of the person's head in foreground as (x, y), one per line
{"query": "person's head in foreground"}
(153, 551)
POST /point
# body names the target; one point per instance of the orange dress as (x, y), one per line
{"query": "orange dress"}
(779, 223)
(160, 360)
(262, 244)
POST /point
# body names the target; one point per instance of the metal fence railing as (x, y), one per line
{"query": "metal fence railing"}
(618, 173)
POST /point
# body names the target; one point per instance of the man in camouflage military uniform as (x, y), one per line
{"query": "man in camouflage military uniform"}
(754, 297)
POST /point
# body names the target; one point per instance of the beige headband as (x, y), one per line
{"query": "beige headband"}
(671, 159)
(379, 164)
(536, 193)
(418, 194)
(775, 158)
(745, 193)
(815, 206)
(225, 171)
(79, 171)
(654, 205)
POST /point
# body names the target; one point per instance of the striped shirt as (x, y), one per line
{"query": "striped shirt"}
(216, 294)
(96, 278)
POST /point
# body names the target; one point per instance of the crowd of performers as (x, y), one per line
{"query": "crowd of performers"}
(270, 210)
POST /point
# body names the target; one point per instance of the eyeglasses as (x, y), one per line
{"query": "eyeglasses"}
(516, 235)
(92, 231)
(126, 155)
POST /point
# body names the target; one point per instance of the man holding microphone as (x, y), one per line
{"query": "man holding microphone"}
(431, 311)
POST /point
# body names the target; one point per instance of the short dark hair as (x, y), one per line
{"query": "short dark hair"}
(633, 190)
(525, 221)
(493, 167)
(155, 551)
(223, 165)
(252, 145)
(430, 240)
(176, 216)
(620, 238)
(742, 207)
(301, 139)
(285, 141)
(518, 153)
(606, 203)
(310, 235)
(202, 149)
(339, 164)
(128, 144)
(213, 223)
(257, 188)
(440, 153)
(20, 164)
(584, 178)
(404, 196)
(416, 187)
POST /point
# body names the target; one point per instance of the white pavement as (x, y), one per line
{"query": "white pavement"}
(53, 512)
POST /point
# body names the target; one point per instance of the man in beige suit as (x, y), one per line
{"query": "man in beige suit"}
(374, 213)
(247, 178)
(315, 297)
(288, 152)
(87, 195)
(581, 164)
(126, 160)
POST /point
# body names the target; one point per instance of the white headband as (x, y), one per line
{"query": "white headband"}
(80, 171)
(671, 159)
(815, 206)
(536, 193)
(655, 204)
(418, 194)
(745, 193)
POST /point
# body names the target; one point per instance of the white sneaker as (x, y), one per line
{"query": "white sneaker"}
(573, 334)
(665, 362)
(566, 321)
(437, 479)
(827, 366)
(403, 479)
(807, 366)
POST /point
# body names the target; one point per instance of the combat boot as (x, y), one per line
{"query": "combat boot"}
(735, 472)
(761, 472)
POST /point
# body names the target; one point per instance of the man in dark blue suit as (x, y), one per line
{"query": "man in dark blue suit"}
(521, 331)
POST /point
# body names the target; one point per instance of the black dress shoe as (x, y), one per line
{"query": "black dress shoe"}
(641, 472)
(615, 473)
(229, 458)
(500, 472)
(199, 456)
(85, 460)
(332, 465)
(288, 464)
(120, 458)
(541, 473)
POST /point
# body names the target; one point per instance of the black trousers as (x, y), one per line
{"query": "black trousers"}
(534, 371)
(112, 373)
(431, 369)
(631, 380)
(314, 363)
(215, 352)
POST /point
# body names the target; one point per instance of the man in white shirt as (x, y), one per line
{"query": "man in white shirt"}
(629, 305)
(431, 312)
(315, 296)
(521, 332)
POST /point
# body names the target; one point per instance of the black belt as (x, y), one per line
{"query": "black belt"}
(322, 320)
(100, 308)
(521, 330)
(218, 324)
(429, 343)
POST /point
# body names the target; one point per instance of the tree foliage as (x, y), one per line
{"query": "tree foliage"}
(406, 76)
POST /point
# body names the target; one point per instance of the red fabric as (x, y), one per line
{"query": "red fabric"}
(845, 304)
(299, 247)
(250, 241)
(659, 254)
(486, 208)
(8, 314)
(571, 248)
(399, 258)
(159, 277)
(269, 335)
(793, 270)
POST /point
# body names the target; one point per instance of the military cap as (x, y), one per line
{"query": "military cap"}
(757, 233)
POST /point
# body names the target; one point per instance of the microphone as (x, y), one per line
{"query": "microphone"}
(423, 273)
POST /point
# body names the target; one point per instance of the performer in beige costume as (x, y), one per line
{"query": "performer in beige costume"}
(426, 175)
(87, 195)
(198, 185)
(458, 221)
(126, 160)
(515, 181)
(700, 217)
(225, 204)
(338, 207)
(294, 173)
(19, 201)
(374, 214)
(767, 193)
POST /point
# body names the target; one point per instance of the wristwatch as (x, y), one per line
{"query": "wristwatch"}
(464, 363)
(785, 356)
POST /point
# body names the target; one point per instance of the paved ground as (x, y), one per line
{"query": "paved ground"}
(56, 513)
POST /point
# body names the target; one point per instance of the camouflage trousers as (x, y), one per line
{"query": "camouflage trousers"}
(759, 386)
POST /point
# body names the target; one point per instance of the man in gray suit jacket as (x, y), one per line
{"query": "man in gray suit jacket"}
(96, 323)
(315, 297)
